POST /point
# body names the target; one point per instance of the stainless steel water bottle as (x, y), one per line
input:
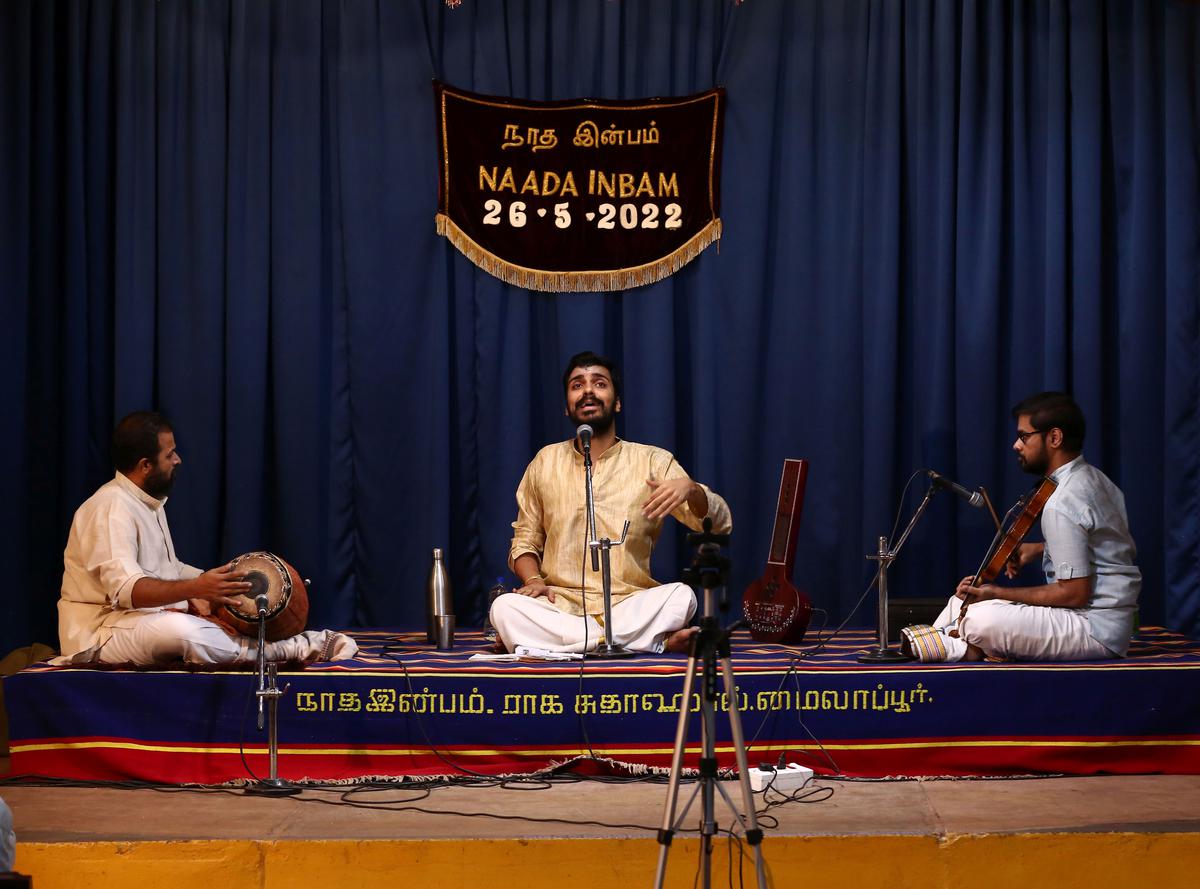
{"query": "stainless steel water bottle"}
(440, 599)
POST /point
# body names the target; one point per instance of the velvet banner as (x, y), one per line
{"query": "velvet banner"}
(582, 194)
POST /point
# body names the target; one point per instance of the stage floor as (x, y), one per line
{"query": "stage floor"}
(402, 708)
(849, 807)
(1096, 832)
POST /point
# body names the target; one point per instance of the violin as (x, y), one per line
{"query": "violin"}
(1003, 546)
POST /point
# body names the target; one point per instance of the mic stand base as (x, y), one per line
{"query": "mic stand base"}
(884, 656)
(604, 650)
(270, 693)
(272, 787)
(885, 555)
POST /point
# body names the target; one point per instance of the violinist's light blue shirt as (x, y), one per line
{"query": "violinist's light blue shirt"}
(1086, 531)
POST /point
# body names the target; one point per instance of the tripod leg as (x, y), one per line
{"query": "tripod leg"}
(750, 821)
(667, 831)
(709, 773)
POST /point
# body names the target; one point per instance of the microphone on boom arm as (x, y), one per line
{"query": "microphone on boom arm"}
(974, 498)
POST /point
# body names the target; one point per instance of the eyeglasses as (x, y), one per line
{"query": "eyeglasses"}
(1024, 436)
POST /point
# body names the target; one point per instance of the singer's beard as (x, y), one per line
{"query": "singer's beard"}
(601, 422)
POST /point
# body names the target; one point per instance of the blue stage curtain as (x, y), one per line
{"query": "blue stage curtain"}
(225, 210)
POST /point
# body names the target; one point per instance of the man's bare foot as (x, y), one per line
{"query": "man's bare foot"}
(974, 653)
(680, 640)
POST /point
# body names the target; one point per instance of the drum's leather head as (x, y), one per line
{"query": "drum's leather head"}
(287, 597)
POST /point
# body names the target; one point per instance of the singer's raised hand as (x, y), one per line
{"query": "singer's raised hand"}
(666, 496)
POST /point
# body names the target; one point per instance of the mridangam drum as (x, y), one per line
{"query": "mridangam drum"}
(287, 597)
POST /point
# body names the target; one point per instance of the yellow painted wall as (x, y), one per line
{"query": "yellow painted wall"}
(1024, 861)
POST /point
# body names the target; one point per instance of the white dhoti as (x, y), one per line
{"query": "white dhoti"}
(642, 622)
(164, 636)
(1013, 630)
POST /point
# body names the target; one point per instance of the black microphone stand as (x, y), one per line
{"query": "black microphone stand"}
(600, 554)
(886, 556)
(269, 691)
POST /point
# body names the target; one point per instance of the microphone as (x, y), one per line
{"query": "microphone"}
(940, 481)
(258, 589)
(584, 432)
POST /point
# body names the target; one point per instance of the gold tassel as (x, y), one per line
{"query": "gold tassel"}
(575, 282)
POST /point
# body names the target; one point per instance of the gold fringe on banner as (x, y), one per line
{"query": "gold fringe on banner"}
(575, 282)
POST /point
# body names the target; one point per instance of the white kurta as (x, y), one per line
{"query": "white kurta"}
(118, 536)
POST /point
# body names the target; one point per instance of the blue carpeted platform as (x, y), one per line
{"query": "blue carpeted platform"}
(404, 709)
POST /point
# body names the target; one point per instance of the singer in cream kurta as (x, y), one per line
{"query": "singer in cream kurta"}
(552, 519)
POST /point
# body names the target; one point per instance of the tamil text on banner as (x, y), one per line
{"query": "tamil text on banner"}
(583, 194)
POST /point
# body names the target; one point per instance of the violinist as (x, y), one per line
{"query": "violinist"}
(1085, 609)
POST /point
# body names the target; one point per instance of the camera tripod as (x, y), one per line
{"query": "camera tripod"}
(709, 646)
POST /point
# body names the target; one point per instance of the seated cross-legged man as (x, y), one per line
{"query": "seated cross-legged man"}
(126, 597)
(559, 605)
(1085, 609)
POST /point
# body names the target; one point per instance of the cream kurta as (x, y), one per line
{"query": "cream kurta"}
(552, 521)
(118, 536)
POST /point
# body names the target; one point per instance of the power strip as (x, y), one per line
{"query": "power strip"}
(786, 780)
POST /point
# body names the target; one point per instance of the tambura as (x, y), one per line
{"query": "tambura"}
(287, 597)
